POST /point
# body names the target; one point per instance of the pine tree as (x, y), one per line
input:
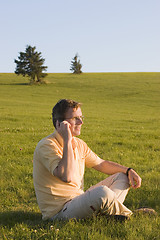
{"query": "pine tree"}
(76, 66)
(30, 63)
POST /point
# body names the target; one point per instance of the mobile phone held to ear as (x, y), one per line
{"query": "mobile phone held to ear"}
(59, 122)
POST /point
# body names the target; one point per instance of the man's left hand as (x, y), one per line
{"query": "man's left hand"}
(134, 179)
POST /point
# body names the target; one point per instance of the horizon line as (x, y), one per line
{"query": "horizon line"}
(98, 72)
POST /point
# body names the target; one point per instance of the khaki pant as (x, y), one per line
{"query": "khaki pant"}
(106, 197)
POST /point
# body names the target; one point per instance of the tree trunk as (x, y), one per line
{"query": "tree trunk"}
(38, 79)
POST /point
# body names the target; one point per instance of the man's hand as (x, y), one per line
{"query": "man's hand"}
(134, 179)
(63, 129)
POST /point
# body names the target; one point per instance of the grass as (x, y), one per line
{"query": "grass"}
(122, 115)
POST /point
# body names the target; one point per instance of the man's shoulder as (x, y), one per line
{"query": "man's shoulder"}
(81, 142)
(50, 139)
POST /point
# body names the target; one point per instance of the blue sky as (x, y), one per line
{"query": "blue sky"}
(108, 35)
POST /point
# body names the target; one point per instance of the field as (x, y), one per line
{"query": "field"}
(122, 123)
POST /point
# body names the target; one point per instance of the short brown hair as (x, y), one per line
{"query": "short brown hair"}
(60, 109)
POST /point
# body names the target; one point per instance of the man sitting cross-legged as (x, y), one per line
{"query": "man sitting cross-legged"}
(58, 172)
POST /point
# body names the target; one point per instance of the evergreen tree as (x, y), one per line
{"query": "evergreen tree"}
(30, 63)
(76, 66)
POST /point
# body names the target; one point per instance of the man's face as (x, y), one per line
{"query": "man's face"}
(74, 117)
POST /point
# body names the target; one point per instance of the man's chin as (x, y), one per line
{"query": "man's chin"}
(77, 133)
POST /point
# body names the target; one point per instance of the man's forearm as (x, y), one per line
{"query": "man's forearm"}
(65, 169)
(109, 167)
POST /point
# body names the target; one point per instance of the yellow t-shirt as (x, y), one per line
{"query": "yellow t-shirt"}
(51, 192)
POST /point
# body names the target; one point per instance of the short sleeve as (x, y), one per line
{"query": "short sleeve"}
(49, 155)
(91, 159)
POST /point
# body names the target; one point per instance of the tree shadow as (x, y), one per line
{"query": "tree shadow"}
(15, 84)
(20, 84)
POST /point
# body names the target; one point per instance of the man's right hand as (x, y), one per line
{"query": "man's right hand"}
(64, 130)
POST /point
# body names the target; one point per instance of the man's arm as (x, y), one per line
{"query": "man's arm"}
(109, 168)
(65, 169)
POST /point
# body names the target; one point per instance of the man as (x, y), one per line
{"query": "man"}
(58, 170)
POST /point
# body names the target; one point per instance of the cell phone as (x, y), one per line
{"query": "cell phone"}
(59, 121)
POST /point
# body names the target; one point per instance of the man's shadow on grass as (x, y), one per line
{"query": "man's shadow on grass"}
(32, 219)
(11, 218)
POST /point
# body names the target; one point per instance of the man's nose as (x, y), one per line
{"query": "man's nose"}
(79, 121)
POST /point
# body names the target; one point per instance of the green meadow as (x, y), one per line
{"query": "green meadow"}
(122, 123)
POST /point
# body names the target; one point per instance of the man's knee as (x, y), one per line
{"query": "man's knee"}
(102, 196)
(122, 177)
